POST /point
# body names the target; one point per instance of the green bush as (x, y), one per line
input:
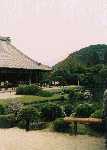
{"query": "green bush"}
(54, 91)
(38, 125)
(28, 114)
(28, 89)
(21, 124)
(33, 125)
(75, 94)
(97, 114)
(2, 109)
(7, 121)
(60, 126)
(45, 93)
(68, 90)
(97, 127)
(68, 109)
(50, 112)
(84, 110)
(72, 94)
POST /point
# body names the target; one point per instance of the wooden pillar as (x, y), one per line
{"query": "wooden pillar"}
(30, 77)
(38, 76)
(78, 83)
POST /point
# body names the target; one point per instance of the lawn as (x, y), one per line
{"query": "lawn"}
(28, 99)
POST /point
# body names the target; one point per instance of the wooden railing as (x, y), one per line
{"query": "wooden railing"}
(82, 121)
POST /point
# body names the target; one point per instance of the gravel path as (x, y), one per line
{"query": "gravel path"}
(6, 95)
(16, 139)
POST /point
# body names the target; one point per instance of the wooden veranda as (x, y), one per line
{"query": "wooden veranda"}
(16, 67)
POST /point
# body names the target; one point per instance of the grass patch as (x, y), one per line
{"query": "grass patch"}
(36, 99)
(28, 99)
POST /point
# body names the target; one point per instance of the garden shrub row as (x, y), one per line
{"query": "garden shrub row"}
(28, 89)
(32, 89)
(34, 117)
(29, 117)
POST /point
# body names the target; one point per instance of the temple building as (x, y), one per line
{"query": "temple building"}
(16, 67)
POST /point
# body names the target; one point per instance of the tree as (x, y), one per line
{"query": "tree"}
(103, 79)
(91, 80)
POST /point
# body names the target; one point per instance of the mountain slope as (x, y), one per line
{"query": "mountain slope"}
(88, 56)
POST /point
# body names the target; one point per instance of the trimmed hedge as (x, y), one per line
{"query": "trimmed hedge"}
(2, 110)
(75, 94)
(28, 89)
(84, 110)
(44, 93)
(50, 112)
(33, 126)
(7, 121)
(60, 126)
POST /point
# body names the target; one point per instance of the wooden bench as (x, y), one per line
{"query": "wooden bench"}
(82, 121)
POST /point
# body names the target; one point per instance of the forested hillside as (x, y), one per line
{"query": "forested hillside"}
(88, 67)
(88, 56)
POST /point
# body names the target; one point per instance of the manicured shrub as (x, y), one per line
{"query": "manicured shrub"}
(28, 114)
(35, 125)
(45, 93)
(20, 89)
(28, 89)
(74, 94)
(50, 112)
(7, 121)
(67, 90)
(38, 125)
(84, 110)
(68, 109)
(21, 124)
(2, 109)
(60, 126)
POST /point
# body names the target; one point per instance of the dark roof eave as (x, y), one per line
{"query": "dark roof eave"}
(26, 68)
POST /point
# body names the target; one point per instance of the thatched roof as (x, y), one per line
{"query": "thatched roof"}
(11, 57)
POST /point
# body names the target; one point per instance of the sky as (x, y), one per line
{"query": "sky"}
(49, 30)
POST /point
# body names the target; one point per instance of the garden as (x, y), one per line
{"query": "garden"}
(40, 109)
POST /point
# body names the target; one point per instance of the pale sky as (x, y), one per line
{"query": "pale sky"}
(49, 30)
